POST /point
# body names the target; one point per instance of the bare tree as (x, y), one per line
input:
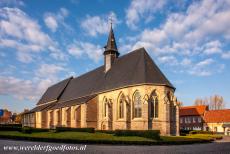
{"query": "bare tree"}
(199, 101)
(214, 102)
(180, 103)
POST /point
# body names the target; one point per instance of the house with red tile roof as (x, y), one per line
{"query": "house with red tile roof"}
(217, 121)
(192, 117)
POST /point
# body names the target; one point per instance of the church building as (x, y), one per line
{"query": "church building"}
(127, 92)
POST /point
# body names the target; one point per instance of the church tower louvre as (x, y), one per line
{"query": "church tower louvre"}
(111, 52)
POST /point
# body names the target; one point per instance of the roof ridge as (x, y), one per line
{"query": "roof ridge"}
(193, 106)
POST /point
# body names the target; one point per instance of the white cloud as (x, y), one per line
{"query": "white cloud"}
(192, 33)
(142, 9)
(12, 3)
(186, 62)
(205, 62)
(23, 89)
(51, 23)
(49, 70)
(171, 60)
(79, 49)
(226, 55)
(24, 57)
(94, 25)
(19, 31)
(212, 47)
(53, 20)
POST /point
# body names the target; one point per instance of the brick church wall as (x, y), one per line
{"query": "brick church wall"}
(91, 113)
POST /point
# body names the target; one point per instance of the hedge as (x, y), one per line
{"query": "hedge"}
(10, 127)
(63, 129)
(106, 131)
(200, 132)
(29, 130)
(152, 134)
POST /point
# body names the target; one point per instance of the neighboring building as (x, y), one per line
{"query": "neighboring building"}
(217, 121)
(192, 117)
(127, 92)
(6, 117)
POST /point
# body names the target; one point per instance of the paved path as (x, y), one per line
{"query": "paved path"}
(104, 149)
(225, 139)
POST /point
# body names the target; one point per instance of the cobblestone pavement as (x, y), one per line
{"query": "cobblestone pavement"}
(223, 147)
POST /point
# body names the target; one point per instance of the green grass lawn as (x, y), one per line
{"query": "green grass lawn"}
(108, 138)
(194, 137)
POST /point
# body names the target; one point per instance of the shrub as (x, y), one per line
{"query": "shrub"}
(63, 129)
(10, 127)
(184, 132)
(152, 134)
(26, 130)
(200, 132)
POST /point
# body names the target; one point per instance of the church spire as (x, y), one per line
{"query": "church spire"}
(111, 42)
(111, 52)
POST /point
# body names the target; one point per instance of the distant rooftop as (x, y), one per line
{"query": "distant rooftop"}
(193, 110)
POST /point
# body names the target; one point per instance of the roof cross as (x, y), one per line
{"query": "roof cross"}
(111, 20)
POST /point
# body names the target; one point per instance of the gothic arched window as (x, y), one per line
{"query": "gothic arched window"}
(105, 111)
(121, 105)
(137, 105)
(154, 105)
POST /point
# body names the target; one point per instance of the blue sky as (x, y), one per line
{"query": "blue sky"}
(43, 42)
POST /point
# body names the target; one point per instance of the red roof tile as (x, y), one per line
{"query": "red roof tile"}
(217, 116)
(193, 110)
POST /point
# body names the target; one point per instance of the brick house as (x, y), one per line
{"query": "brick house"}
(217, 121)
(6, 117)
(192, 117)
(127, 92)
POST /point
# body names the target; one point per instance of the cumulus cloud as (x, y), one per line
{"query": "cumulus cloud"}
(19, 31)
(226, 55)
(51, 23)
(79, 49)
(53, 20)
(171, 60)
(142, 9)
(96, 25)
(49, 70)
(23, 89)
(192, 33)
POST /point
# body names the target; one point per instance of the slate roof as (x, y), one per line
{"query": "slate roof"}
(134, 68)
(193, 110)
(73, 102)
(41, 107)
(131, 69)
(215, 116)
(54, 92)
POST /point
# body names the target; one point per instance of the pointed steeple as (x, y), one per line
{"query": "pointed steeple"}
(111, 52)
(111, 46)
